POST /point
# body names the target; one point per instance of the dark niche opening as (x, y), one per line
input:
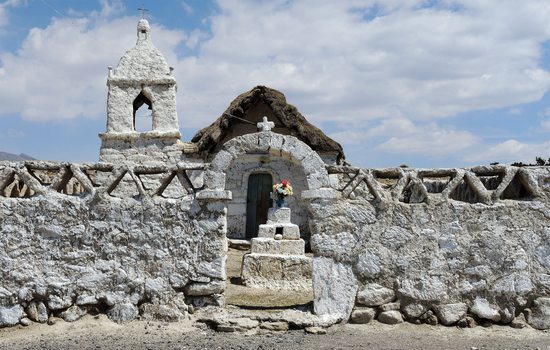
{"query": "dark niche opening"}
(142, 118)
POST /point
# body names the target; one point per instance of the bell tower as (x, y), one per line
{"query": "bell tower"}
(142, 77)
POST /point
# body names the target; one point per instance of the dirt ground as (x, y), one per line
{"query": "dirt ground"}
(100, 333)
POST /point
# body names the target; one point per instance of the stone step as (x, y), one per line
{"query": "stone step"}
(277, 271)
(278, 247)
(287, 231)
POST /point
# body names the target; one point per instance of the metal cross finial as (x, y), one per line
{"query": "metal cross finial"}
(143, 10)
(265, 125)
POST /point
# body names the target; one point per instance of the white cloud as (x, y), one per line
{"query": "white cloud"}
(335, 60)
(187, 8)
(510, 151)
(4, 6)
(60, 71)
(419, 63)
(426, 140)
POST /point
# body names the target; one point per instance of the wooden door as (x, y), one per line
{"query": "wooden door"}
(257, 202)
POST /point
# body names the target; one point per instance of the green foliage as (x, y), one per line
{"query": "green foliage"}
(539, 161)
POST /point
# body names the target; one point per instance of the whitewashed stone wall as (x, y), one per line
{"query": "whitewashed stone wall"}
(95, 247)
(397, 246)
(237, 182)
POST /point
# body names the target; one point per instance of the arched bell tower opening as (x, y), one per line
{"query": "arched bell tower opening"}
(143, 109)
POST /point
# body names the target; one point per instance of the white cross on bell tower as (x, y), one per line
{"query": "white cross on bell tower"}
(265, 125)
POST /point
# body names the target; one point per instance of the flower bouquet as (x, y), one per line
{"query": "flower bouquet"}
(281, 191)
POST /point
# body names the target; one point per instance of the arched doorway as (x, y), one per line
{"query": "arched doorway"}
(258, 202)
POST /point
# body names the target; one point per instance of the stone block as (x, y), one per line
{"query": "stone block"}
(539, 317)
(277, 271)
(287, 231)
(449, 314)
(199, 289)
(390, 317)
(335, 288)
(362, 315)
(278, 216)
(395, 306)
(291, 231)
(278, 247)
(10, 315)
(374, 294)
(483, 309)
(266, 231)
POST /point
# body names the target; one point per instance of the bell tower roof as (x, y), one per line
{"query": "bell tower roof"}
(144, 61)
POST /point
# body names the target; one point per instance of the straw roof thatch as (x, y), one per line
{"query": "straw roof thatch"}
(287, 120)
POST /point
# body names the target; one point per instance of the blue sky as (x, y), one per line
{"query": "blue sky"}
(423, 83)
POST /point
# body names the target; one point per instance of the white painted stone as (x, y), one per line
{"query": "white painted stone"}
(362, 315)
(368, 265)
(374, 294)
(413, 310)
(335, 288)
(278, 216)
(425, 288)
(267, 231)
(72, 314)
(483, 309)
(277, 247)
(10, 315)
(123, 312)
(449, 314)
(198, 288)
(277, 271)
(390, 317)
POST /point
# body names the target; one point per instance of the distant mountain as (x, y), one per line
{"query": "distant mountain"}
(11, 156)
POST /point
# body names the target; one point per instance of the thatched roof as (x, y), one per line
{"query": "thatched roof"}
(251, 106)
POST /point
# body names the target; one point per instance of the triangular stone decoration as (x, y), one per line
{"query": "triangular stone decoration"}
(436, 184)
(413, 192)
(174, 188)
(491, 181)
(15, 187)
(152, 182)
(464, 193)
(387, 183)
(97, 177)
(517, 190)
(125, 188)
(71, 185)
(45, 176)
(346, 179)
(363, 191)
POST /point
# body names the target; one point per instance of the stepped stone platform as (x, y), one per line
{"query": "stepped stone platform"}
(277, 259)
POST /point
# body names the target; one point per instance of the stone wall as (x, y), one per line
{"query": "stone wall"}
(100, 238)
(434, 245)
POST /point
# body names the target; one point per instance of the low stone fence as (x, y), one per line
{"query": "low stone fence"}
(442, 245)
(79, 238)
(424, 245)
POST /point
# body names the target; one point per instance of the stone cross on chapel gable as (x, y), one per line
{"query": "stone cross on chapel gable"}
(265, 125)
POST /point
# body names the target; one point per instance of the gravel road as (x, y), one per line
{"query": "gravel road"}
(100, 333)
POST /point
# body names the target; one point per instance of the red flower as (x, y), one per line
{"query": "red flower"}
(284, 183)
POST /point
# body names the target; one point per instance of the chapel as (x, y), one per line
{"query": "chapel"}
(143, 78)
